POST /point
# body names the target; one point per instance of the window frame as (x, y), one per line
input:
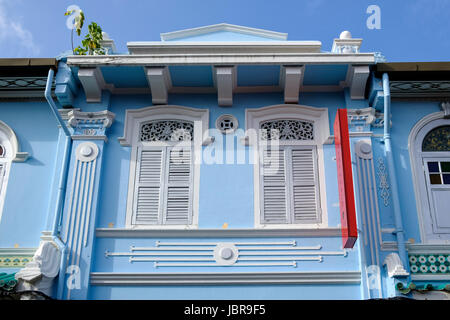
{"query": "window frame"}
(419, 175)
(133, 120)
(5, 169)
(319, 118)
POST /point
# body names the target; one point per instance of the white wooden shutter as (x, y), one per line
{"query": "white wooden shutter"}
(2, 175)
(305, 190)
(149, 182)
(273, 186)
(179, 186)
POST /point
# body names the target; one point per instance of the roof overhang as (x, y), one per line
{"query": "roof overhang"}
(24, 77)
(422, 80)
(219, 58)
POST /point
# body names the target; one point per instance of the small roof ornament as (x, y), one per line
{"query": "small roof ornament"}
(346, 44)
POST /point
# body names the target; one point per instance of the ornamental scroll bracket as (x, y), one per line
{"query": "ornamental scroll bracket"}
(90, 125)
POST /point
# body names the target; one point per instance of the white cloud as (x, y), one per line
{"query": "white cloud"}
(15, 39)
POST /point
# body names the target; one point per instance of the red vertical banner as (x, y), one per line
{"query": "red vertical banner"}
(345, 179)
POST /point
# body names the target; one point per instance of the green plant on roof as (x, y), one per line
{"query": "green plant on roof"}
(91, 44)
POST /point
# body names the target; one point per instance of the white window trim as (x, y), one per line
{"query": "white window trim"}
(6, 162)
(319, 118)
(10, 136)
(415, 140)
(133, 120)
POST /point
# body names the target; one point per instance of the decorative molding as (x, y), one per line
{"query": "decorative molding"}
(346, 44)
(65, 113)
(42, 270)
(213, 278)
(220, 48)
(383, 180)
(215, 233)
(134, 117)
(16, 155)
(180, 56)
(318, 116)
(223, 27)
(227, 123)
(160, 83)
(92, 81)
(231, 254)
(358, 80)
(428, 248)
(90, 125)
(368, 201)
(225, 80)
(86, 152)
(446, 108)
(23, 87)
(430, 277)
(429, 263)
(394, 266)
(420, 88)
(291, 79)
(15, 257)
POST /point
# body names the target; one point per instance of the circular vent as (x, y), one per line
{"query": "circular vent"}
(227, 123)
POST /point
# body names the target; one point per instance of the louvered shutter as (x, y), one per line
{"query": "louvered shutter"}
(2, 174)
(179, 186)
(149, 182)
(305, 208)
(273, 186)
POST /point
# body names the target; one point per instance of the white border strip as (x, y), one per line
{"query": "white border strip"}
(215, 233)
(123, 278)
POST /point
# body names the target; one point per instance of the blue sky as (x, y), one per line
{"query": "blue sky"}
(411, 30)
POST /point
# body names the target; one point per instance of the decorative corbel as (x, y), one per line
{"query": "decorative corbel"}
(394, 266)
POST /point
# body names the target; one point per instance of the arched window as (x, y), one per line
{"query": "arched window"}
(289, 171)
(430, 157)
(164, 178)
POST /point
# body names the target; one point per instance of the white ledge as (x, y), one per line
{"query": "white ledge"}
(225, 278)
(215, 233)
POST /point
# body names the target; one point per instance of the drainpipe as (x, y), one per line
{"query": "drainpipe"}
(61, 184)
(66, 155)
(392, 175)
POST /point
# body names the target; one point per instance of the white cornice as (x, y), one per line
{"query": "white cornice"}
(223, 27)
(215, 233)
(219, 58)
(229, 47)
(211, 278)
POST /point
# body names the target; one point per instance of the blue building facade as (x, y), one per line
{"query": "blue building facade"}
(203, 166)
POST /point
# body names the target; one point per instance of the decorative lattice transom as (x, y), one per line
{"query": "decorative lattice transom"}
(167, 130)
(287, 130)
(437, 139)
